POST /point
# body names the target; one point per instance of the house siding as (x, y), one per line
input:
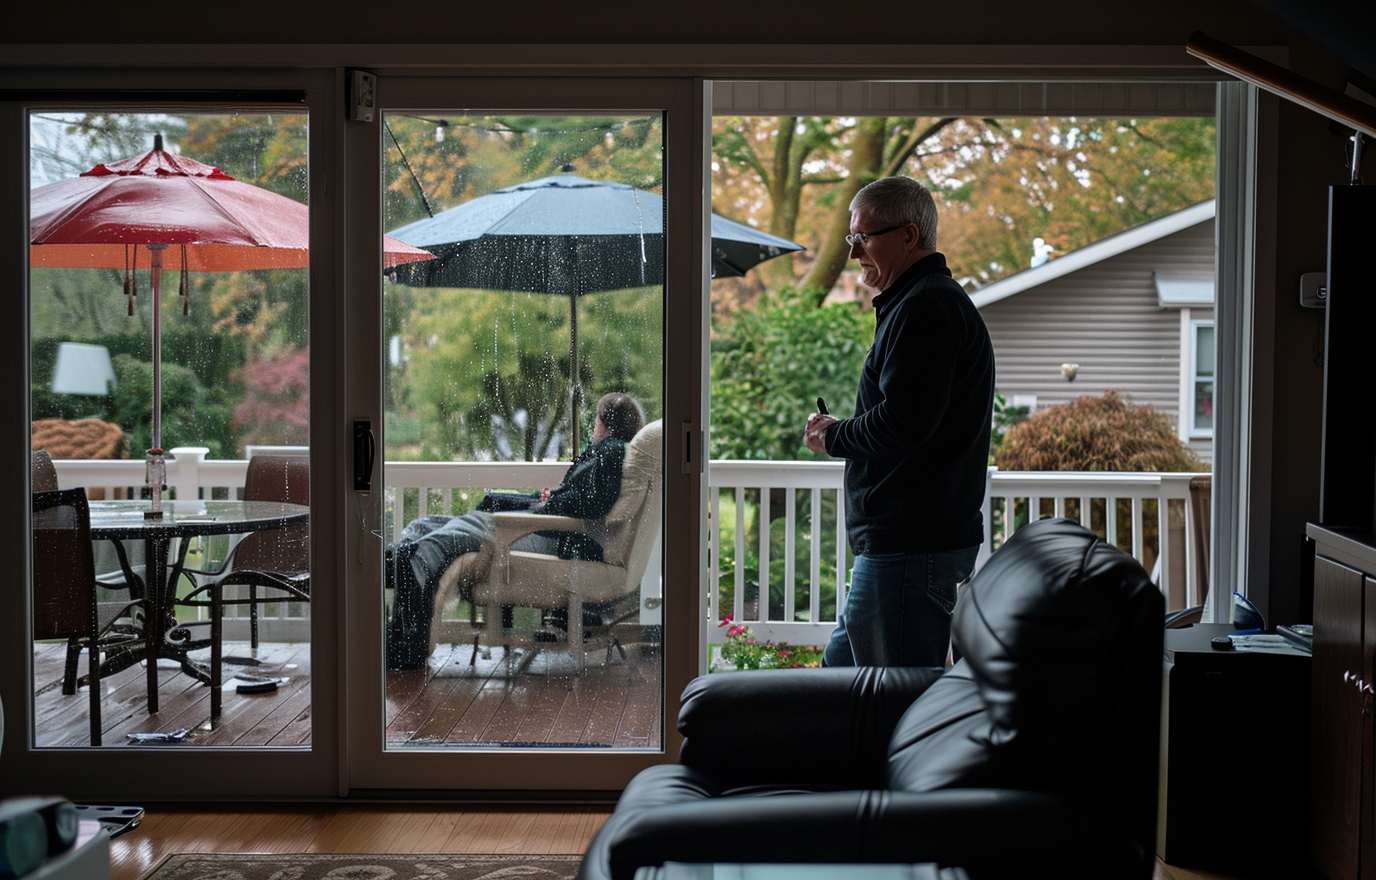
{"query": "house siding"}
(1106, 318)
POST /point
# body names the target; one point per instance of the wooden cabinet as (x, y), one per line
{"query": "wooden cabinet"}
(1342, 767)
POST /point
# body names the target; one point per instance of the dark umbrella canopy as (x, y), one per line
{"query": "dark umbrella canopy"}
(565, 235)
(737, 248)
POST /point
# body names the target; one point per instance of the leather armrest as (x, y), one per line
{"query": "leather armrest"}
(950, 828)
(797, 726)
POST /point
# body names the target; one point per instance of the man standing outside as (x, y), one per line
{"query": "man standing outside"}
(917, 449)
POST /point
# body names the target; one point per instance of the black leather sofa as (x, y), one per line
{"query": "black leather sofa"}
(1034, 756)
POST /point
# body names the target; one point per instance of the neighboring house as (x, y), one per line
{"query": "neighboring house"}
(1134, 311)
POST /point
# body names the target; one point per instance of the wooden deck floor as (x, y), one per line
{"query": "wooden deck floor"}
(615, 704)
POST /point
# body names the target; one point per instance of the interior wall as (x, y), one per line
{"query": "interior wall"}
(1309, 159)
(801, 22)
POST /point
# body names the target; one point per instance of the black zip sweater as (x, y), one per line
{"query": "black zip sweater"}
(917, 450)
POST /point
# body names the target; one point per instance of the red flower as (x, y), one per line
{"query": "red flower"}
(737, 630)
(724, 621)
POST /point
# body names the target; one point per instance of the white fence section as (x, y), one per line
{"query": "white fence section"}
(1155, 504)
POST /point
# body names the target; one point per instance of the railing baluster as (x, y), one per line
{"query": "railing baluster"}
(398, 510)
(1192, 596)
(1138, 521)
(714, 557)
(790, 554)
(814, 590)
(841, 544)
(739, 538)
(1163, 545)
(766, 514)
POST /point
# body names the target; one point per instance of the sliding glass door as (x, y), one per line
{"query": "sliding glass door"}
(516, 597)
(171, 637)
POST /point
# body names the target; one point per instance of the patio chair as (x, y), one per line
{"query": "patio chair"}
(130, 576)
(273, 565)
(589, 598)
(65, 603)
(43, 475)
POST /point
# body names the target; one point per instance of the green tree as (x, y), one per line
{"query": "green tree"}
(483, 368)
(770, 365)
(486, 373)
(192, 415)
(999, 183)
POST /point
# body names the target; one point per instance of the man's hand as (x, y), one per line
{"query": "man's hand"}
(815, 436)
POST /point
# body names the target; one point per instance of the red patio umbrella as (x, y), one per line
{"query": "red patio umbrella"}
(161, 211)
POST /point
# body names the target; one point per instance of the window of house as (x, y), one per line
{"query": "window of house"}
(1201, 401)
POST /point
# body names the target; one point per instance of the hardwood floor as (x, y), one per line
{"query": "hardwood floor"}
(381, 828)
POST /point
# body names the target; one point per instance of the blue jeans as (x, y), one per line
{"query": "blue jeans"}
(898, 611)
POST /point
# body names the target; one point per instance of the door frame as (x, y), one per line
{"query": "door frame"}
(152, 772)
(367, 766)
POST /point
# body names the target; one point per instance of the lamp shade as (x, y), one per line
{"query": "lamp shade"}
(83, 369)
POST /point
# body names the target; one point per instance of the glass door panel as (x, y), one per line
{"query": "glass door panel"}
(170, 369)
(523, 381)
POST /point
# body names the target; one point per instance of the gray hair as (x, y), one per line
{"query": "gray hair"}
(898, 201)
(621, 414)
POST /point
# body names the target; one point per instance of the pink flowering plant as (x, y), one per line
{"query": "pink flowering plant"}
(743, 651)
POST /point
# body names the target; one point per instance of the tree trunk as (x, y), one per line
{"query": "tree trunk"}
(866, 162)
(785, 193)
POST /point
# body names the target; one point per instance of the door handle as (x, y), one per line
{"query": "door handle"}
(365, 455)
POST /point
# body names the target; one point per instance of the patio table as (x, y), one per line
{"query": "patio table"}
(165, 637)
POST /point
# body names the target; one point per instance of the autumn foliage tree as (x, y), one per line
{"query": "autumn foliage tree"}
(1000, 184)
(275, 409)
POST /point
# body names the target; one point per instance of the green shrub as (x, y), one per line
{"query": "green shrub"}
(1106, 433)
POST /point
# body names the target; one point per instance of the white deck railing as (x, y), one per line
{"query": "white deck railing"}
(812, 513)
(810, 496)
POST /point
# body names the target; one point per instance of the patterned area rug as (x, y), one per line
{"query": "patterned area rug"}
(365, 866)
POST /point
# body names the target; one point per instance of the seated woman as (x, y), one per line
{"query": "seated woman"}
(429, 544)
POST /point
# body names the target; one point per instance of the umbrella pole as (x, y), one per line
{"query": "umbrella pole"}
(156, 464)
(573, 367)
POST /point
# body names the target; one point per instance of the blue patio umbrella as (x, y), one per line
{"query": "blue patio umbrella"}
(566, 235)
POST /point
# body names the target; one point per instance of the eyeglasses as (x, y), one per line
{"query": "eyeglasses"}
(863, 238)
